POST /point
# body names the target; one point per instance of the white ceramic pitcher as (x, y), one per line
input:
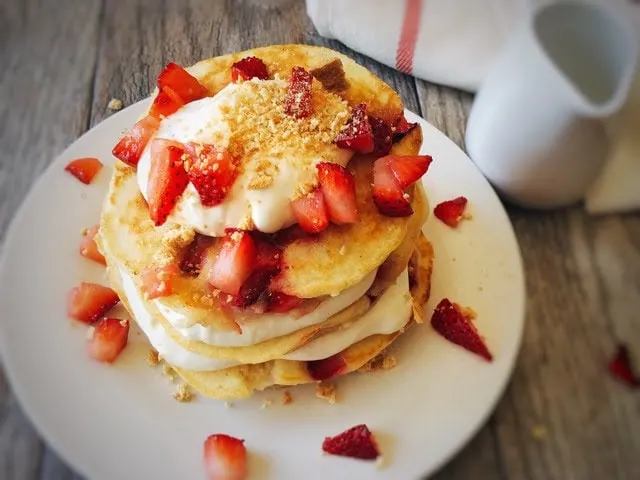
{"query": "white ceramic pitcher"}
(536, 127)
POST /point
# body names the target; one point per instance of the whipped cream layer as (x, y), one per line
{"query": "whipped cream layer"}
(277, 153)
(390, 312)
(258, 328)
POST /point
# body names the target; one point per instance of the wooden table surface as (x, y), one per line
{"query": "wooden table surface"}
(562, 417)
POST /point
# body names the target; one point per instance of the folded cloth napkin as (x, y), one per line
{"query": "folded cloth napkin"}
(453, 42)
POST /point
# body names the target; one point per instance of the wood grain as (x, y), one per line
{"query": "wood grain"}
(561, 417)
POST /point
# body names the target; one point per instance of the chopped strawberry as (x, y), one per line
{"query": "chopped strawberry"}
(298, 103)
(326, 368)
(252, 289)
(248, 68)
(157, 281)
(268, 256)
(225, 457)
(339, 191)
(408, 169)
(451, 212)
(167, 178)
(195, 254)
(382, 140)
(109, 339)
(401, 127)
(131, 145)
(357, 442)
(233, 263)
(357, 135)
(84, 169)
(88, 247)
(211, 171)
(311, 212)
(450, 322)
(387, 194)
(165, 103)
(278, 302)
(185, 85)
(621, 368)
(89, 301)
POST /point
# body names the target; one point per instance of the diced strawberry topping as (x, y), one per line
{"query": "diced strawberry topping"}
(88, 302)
(165, 103)
(451, 212)
(357, 442)
(131, 145)
(84, 169)
(382, 140)
(311, 212)
(195, 254)
(248, 68)
(298, 103)
(621, 368)
(233, 263)
(339, 191)
(401, 127)
(212, 172)
(387, 194)
(185, 85)
(108, 340)
(268, 256)
(408, 169)
(167, 178)
(88, 247)
(225, 457)
(326, 368)
(357, 135)
(450, 322)
(157, 281)
(278, 302)
(252, 289)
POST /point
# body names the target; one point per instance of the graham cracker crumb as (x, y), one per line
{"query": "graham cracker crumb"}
(539, 432)
(114, 104)
(153, 358)
(286, 398)
(236, 236)
(343, 250)
(183, 394)
(326, 391)
(168, 372)
(468, 313)
(84, 231)
(265, 404)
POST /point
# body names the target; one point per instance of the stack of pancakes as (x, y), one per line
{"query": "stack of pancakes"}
(365, 282)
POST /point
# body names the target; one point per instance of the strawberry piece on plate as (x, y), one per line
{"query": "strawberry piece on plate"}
(132, 144)
(621, 368)
(326, 368)
(167, 178)
(185, 85)
(248, 68)
(311, 212)
(108, 340)
(408, 169)
(212, 172)
(451, 212)
(339, 191)
(382, 138)
(450, 322)
(278, 302)
(387, 194)
(84, 169)
(157, 281)
(234, 262)
(358, 135)
(166, 102)
(88, 302)
(225, 457)
(298, 103)
(88, 247)
(357, 442)
(401, 127)
(195, 254)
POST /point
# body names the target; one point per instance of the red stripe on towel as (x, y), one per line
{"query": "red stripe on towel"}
(408, 36)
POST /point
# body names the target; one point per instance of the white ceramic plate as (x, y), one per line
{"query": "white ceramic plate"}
(122, 422)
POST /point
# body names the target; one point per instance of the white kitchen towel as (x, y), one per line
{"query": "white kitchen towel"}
(453, 42)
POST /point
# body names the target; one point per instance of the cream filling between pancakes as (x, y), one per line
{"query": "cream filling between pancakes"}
(390, 312)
